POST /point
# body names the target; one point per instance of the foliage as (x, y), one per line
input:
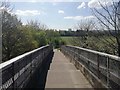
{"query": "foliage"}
(93, 43)
(10, 33)
(18, 39)
(53, 37)
(109, 19)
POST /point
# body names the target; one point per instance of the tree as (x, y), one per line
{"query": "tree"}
(37, 25)
(40, 37)
(16, 38)
(10, 32)
(109, 19)
(84, 27)
(53, 38)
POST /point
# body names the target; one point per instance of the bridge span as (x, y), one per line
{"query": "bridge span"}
(69, 67)
(63, 74)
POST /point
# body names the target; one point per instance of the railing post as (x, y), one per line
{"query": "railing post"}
(13, 84)
(108, 72)
(31, 63)
(98, 66)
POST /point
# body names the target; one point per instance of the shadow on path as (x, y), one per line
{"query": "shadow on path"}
(39, 78)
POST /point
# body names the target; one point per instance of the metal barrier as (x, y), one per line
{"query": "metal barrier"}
(101, 69)
(17, 71)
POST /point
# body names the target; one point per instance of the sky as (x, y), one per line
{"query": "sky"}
(56, 14)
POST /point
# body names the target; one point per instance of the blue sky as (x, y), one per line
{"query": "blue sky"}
(56, 15)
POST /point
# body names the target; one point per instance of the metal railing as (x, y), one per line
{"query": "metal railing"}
(17, 71)
(96, 66)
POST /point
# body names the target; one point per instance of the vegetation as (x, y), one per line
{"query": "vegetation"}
(109, 19)
(107, 38)
(18, 38)
(92, 43)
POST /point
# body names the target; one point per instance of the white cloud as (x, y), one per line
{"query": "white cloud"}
(47, 0)
(33, 1)
(61, 11)
(54, 3)
(1, 8)
(5, 9)
(79, 17)
(82, 5)
(27, 12)
(96, 3)
(52, 0)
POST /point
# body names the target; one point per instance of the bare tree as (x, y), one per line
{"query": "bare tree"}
(84, 27)
(37, 25)
(109, 19)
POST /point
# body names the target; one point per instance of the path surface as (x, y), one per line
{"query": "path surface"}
(63, 74)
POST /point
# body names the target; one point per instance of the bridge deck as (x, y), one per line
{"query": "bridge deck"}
(63, 74)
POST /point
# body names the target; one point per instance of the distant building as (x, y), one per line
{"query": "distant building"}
(69, 29)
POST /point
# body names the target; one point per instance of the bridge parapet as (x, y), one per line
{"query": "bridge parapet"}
(101, 69)
(16, 72)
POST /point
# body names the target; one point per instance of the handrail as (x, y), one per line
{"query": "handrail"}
(19, 57)
(17, 71)
(96, 52)
(94, 64)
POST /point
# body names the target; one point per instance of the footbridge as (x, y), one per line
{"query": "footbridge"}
(69, 67)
